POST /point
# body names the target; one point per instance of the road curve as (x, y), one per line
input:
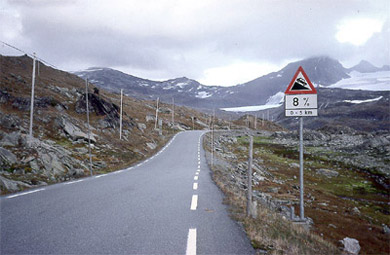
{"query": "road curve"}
(165, 205)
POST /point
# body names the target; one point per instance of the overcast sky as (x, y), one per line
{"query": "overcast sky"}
(217, 42)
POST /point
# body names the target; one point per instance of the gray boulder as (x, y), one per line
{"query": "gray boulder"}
(351, 245)
(151, 146)
(7, 157)
(141, 126)
(11, 139)
(74, 132)
(9, 121)
(12, 186)
(328, 173)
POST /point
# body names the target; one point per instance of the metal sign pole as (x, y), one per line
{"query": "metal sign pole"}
(32, 97)
(302, 210)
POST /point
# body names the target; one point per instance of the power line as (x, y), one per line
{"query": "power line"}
(28, 54)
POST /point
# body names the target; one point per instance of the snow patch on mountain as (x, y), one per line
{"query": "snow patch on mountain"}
(378, 81)
(363, 101)
(272, 102)
(203, 94)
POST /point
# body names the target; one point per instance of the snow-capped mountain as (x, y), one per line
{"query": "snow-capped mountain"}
(321, 70)
(184, 91)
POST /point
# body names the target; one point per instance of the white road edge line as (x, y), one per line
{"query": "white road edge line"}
(25, 193)
(191, 242)
(195, 186)
(67, 183)
(194, 202)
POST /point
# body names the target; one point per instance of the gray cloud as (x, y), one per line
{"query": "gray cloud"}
(170, 38)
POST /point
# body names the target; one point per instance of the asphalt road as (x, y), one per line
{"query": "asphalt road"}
(165, 205)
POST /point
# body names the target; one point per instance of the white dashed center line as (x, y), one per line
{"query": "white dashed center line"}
(195, 186)
(194, 202)
(196, 178)
(191, 242)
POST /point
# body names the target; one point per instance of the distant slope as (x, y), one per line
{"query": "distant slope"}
(366, 67)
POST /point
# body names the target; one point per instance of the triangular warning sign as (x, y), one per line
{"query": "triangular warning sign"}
(300, 84)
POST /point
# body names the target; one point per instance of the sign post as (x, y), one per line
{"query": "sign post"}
(301, 101)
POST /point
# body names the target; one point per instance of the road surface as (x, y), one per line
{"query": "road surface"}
(165, 205)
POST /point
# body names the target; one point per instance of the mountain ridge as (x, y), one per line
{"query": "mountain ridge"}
(322, 70)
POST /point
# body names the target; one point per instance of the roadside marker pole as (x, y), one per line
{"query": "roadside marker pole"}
(249, 195)
(255, 121)
(32, 96)
(120, 117)
(155, 123)
(302, 209)
(173, 111)
(89, 139)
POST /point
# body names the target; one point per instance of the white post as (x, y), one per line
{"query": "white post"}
(173, 111)
(32, 97)
(249, 195)
(120, 117)
(89, 139)
(262, 121)
(255, 121)
(155, 123)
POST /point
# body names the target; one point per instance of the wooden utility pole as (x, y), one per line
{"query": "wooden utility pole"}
(155, 123)
(89, 138)
(32, 97)
(120, 117)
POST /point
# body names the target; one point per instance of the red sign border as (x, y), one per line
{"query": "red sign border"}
(288, 90)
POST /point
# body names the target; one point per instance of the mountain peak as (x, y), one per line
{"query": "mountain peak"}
(365, 67)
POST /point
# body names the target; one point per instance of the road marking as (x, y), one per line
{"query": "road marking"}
(98, 176)
(67, 183)
(197, 173)
(196, 178)
(194, 202)
(25, 193)
(191, 242)
(195, 186)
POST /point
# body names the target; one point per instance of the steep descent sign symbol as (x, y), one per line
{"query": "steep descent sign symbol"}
(300, 84)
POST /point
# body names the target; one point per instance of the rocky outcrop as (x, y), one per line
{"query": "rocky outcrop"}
(10, 139)
(328, 173)
(351, 246)
(7, 158)
(72, 131)
(10, 185)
